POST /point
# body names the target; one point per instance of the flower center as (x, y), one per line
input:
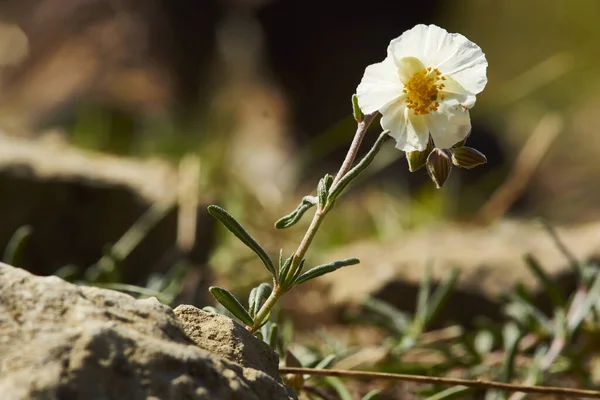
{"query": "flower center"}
(422, 91)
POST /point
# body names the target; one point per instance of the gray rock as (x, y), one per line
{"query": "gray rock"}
(226, 338)
(62, 341)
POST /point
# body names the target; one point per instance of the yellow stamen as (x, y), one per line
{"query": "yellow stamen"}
(422, 91)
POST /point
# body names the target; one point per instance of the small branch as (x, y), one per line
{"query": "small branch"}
(361, 130)
(318, 217)
(476, 383)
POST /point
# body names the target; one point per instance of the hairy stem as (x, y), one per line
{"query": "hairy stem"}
(281, 288)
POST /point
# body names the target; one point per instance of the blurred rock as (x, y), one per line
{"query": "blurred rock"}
(490, 260)
(58, 340)
(77, 202)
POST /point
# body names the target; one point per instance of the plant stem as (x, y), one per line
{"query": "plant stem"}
(280, 287)
(361, 130)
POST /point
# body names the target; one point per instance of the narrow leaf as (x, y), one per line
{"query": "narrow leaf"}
(550, 287)
(339, 187)
(372, 395)
(16, 244)
(577, 314)
(455, 392)
(295, 216)
(323, 190)
(263, 291)
(234, 227)
(358, 114)
(324, 269)
(252, 302)
(421, 312)
(511, 336)
(232, 304)
(441, 295)
(284, 270)
(396, 320)
(338, 385)
(298, 271)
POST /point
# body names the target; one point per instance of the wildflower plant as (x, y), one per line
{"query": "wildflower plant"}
(423, 91)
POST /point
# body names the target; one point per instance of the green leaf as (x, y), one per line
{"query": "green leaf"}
(292, 279)
(284, 269)
(454, 392)
(295, 216)
(339, 187)
(252, 302)
(441, 295)
(323, 190)
(16, 245)
(326, 362)
(577, 314)
(261, 293)
(234, 227)
(358, 114)
(339, 387)
(232, 304)
(550, 287)
(511, 336)
(372, 395)
(394, 319)
(324, 269)
(420, 320)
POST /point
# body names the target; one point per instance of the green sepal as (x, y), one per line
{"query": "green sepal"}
(234, 227)
(337, 189)
(418, 159)
(232, 304)
(356, 111)
(293, 217)
(324, 269)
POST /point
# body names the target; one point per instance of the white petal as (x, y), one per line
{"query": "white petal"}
(456, 56)
(452, 53)
(407, 67)
(449, 125)
(409, 131)
(379, 86)
(409, 44)
(455, 94)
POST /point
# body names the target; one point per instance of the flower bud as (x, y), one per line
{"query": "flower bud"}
(418, 159)
(439, 166)
(467, 157)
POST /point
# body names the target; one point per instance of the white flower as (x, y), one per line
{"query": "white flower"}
(425, 86)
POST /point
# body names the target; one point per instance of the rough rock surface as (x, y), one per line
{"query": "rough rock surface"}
(62, 341)
(490, 260)
(224, 337)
